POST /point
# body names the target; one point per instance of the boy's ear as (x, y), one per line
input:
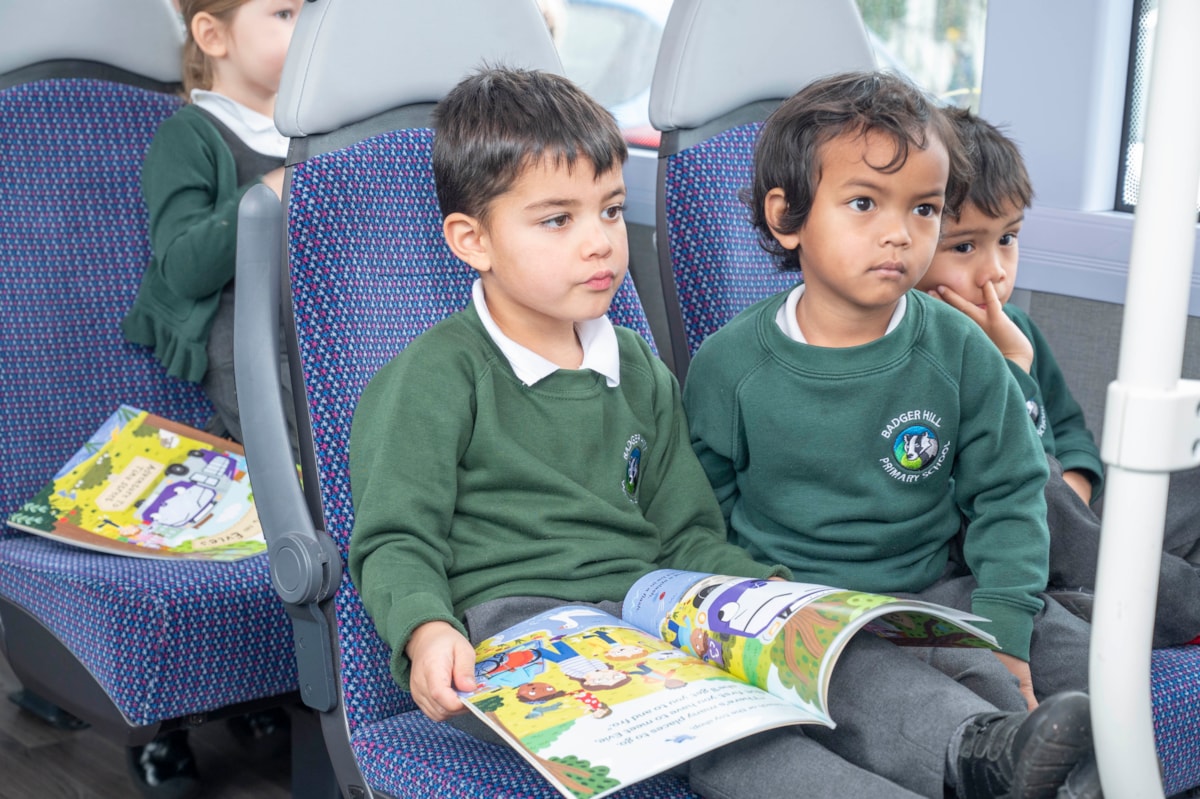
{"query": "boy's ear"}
(775, 206)
(467, 239)
(209, 34)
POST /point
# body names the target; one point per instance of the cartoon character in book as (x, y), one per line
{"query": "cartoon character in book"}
(650, 674)
(747, 608)
(538, 693)
(510, 669)
(706, 647)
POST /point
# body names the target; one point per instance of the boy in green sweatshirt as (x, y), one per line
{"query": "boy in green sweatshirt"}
(849, 426)
(525, 454)
(975, 271)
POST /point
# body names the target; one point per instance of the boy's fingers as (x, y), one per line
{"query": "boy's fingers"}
(955, 300)
(464, 669)
(992, 299)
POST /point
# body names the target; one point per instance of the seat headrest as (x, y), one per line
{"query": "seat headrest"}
(717, 56)
(352, 59)
(140, 36)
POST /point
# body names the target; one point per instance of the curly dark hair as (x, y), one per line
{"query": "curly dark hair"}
(787, 154)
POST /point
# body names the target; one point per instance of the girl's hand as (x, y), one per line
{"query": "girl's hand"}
(274, 181)
(442, 660)
(1003, 332)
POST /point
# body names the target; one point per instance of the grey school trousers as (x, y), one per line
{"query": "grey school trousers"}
(896, 717)
(1075, 547)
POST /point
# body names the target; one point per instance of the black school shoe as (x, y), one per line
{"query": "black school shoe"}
(263, 734)
(1027, 755)
(164, 768)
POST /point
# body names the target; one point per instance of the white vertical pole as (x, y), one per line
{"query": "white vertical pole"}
(1150, 363)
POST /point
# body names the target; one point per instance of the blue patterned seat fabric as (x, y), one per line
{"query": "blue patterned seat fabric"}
(163, 639)
(718, 265)
(1175, 696)
(370, 271)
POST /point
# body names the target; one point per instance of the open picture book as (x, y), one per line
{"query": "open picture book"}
(147, 487)
(596, 703)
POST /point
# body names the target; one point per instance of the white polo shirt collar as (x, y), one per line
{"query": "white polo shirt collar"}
(786, 317)
(257, 130)
(596, 336)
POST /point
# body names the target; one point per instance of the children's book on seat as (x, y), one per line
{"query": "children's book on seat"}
(596, 703)
(147, 487)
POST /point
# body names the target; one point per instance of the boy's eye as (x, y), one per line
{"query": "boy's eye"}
(285, 14)
(862, 204)
(964, 247)
(559, 221)
(927, 210)
(614, 212)
(1008, 239)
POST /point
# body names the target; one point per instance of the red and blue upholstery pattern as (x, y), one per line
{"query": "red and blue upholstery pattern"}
(370, 271)
(719, 267)
(163, 639)
(1175, 697)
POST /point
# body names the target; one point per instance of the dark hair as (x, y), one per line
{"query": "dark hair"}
(788, 152)
(999, 177)
(498, 121)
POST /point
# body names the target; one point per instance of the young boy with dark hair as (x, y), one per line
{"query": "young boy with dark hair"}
(490, 463)
(975, 271)
(849, 426)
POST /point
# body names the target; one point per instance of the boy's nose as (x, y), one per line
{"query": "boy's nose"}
(598, 242)
(896, 232)
(991, 269)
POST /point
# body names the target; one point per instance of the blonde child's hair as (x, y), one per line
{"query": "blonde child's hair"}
(197, 69)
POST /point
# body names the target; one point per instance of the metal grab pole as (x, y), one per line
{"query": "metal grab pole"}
(1139, 447)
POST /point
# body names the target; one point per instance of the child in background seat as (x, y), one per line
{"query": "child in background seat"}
(975, 270)
(200, 163)
(490, 479)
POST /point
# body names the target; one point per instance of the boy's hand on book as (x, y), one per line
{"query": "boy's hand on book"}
(442, 661)
(1003, 332)
(1020, 670)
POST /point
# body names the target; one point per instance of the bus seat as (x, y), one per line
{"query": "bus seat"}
(367, 271)
(722, 68)
(132, 646)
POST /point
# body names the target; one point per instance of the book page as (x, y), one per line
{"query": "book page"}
(595, 704)
(784, 637)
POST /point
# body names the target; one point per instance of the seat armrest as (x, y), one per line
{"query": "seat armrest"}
(306, 566)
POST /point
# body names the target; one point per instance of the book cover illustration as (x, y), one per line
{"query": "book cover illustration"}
(145, 486)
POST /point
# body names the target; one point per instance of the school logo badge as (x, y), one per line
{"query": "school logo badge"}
(635, 448)
(1037, 414)
(916, 447)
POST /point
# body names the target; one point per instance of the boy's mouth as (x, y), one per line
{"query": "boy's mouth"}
(892, 268)
(600, 281)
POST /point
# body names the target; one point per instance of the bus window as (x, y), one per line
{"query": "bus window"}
(937, 43)
(609, 48)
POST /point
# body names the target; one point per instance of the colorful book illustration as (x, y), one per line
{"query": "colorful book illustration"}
(148, 487)
(596, 703)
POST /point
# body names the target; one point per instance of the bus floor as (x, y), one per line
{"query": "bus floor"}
(38, 761)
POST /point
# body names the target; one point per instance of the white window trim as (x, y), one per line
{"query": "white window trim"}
(1054, 76)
